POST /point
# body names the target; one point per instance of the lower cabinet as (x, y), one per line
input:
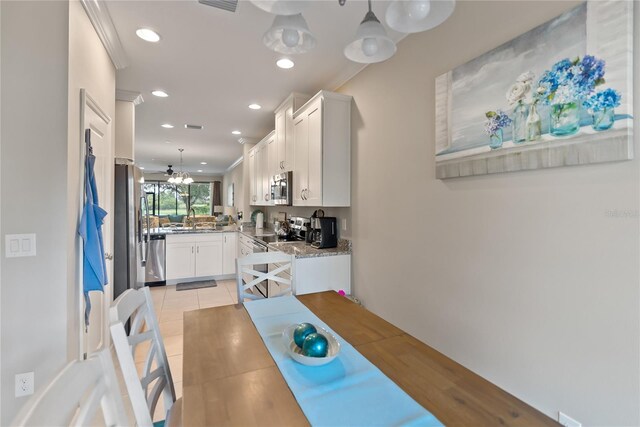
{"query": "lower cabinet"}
(317, 274)
(229, 252)
(194, 255)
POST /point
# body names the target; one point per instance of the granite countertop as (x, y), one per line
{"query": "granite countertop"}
(305, 250)
(299, 249)
(189, 230)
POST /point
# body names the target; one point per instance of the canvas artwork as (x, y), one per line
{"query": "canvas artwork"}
(558, 95)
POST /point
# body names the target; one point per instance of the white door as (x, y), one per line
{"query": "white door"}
(281, 140)
(229, 253)
(96, 336)
(300, 159)
(209, 258)
(252, 177)
(258, 167)
(180, 260)
(313, 195)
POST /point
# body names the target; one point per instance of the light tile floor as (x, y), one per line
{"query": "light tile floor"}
(170, 306)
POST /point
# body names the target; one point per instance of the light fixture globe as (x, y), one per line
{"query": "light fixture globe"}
(282, 7)
(371, 43)
(414, 16)
(289, 35)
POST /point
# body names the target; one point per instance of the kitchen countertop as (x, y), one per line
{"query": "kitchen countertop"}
(298, 249)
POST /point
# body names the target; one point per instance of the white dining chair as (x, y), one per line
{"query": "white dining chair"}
(248, 277)
(83, 392)
(136, 307)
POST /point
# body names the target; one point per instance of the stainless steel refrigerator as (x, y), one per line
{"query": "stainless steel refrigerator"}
(131, 228)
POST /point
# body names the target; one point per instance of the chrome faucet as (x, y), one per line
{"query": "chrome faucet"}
(193, 221)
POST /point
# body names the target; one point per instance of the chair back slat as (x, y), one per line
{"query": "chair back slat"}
(138, 305)
(248, 277)
(75, 396)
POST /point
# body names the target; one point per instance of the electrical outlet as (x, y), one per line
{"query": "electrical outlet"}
(567, 421)
(344, 224)
(24, 384)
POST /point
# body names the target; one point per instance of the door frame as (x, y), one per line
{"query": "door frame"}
(87, 101)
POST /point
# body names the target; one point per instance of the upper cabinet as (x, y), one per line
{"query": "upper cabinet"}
(284, 139)
(262, 160)
(322, 151)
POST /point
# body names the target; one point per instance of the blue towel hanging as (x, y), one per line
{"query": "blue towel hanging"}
(94, 267)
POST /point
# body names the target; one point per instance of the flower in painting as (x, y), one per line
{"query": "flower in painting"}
(606, 99)
(570, 81)
(521, 89)
(517, 92)
(526, 77)
(496, 120)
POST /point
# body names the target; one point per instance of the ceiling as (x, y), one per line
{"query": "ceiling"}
(212, 63)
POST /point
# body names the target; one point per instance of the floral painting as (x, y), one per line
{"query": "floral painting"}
(558, 95)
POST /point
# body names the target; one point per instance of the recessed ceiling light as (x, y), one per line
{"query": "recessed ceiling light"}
(199, 170)
(141, 167)
(167, 142)
(160, 93)
(236, 132)
(167, 126)
(203, 163)
(147, 35)
(285, 63)
(255, 106)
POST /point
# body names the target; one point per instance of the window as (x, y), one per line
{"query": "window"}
(171, 199)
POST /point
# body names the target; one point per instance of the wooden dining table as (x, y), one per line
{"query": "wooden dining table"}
(229, 377)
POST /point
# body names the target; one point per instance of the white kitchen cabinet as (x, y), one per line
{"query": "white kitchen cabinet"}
(261, 169)
(180, 260)
(253, 194)
(229, 253)
(322, 151)
(209, 258)
(193, 255)
(284, 139)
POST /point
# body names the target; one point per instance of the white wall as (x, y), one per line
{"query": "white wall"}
(521, 277)
(34, 192)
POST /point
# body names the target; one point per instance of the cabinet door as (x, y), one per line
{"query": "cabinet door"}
(180, 260)
(313, 193)
(289, 138)
(271, 160)
(281, 140)
(229, 253)
(300, 159)
(259, 188)
(252, 177)
(209, 258)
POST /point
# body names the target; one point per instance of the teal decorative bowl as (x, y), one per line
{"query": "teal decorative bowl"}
(296, 352)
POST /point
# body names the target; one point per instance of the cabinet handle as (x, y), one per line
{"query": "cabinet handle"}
(302, 194)
(191, 249)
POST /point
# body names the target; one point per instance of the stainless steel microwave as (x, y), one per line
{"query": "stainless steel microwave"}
(282, 189)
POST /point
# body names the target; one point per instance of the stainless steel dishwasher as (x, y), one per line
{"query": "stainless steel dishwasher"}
(155, 268)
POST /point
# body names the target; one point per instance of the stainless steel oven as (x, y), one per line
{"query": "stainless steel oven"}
(282, 189)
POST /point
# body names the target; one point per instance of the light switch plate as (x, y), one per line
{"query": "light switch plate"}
(24, 384)
(19, 245)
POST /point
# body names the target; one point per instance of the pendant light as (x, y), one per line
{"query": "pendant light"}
(282, 7)
(289, 34)
(180, 177)
(414, 16)
(371, 43)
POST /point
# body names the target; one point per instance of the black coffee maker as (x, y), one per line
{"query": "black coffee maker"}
(325, 232)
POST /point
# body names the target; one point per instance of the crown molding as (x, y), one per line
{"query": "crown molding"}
(234, 164)
(101, 20)
(130, 96)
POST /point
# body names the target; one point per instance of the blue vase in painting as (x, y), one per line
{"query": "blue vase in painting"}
(534, 124)
(519, 124)
(603, 119)
(495, 139)
(565, 119)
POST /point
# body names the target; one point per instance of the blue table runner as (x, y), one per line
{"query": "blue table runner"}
(349, 391)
